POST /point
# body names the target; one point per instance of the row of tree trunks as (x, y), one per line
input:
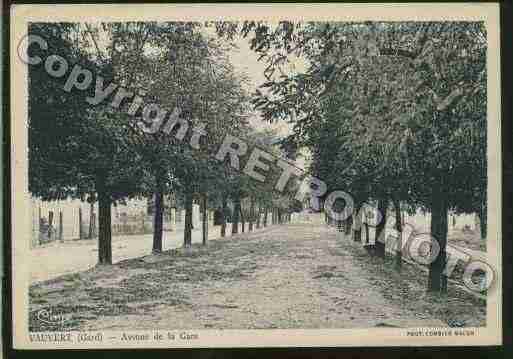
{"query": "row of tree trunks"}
(353, 227)
(159, 216)
(256, 219)
(105, 220)
(437, 281)
(277, 216)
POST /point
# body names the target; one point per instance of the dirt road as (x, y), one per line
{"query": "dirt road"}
(289, 276)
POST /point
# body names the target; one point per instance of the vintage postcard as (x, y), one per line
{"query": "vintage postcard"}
(255, 175)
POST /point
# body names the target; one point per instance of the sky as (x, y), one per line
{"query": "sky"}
(246, 61)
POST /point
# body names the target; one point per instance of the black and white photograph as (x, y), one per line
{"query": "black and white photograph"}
(255, 175)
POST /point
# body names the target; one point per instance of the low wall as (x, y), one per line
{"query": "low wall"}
(73, 219)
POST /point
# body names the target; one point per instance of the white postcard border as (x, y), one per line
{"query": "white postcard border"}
(21, 15)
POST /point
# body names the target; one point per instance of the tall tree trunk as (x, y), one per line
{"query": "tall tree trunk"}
(483, 219)
(357, 234)
(349, 225)
(158, 218)
(437, 282)
(259, 212)
(61, 237)
(236, 211)
(380, 228)
(50, 226)
(224, 206)
(92, 221)
(205, 219)
(251, 213)
(187, 231)
(399, 229)
(105, 234)
(266, 213)
(80, 225)
(242, 220)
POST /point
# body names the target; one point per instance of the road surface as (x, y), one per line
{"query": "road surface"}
(285, 276)
(56, 259)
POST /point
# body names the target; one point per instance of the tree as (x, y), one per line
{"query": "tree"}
(185, 70)
(93, 152)
(141, 53)
(415, 125)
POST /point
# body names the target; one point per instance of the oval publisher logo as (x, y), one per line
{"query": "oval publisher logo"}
(49, 317)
